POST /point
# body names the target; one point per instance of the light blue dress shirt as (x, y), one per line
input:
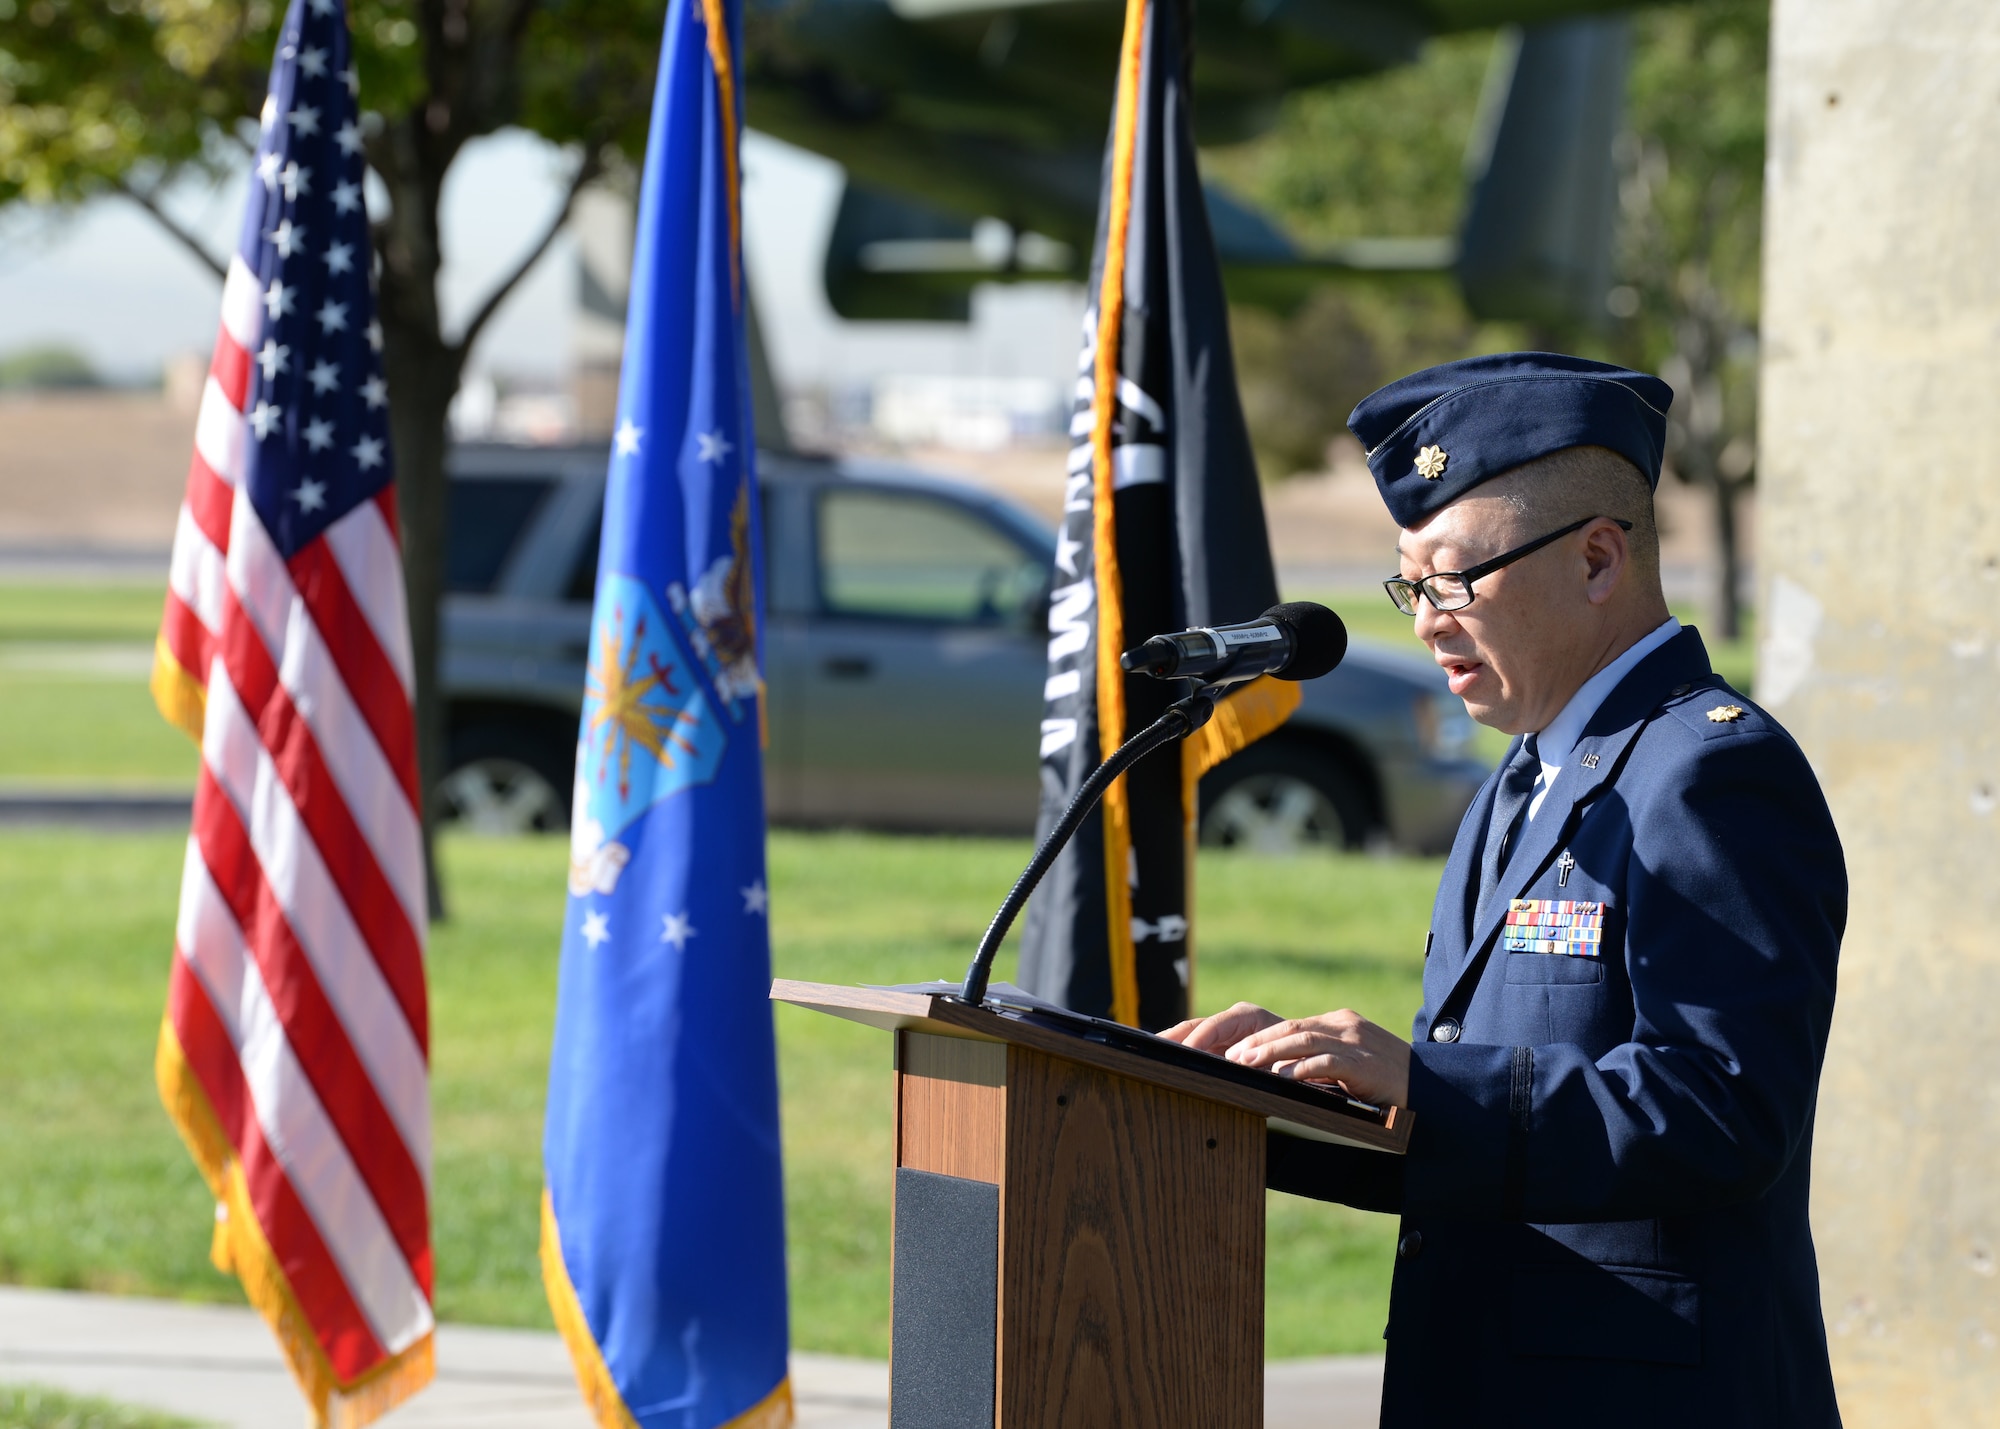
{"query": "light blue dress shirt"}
(1557, 742)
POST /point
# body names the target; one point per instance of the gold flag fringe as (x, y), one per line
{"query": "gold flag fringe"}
(382, 1388)
(1242, 718)
(593, 1375)
(773, 1411)
(239, 1248)
(1114, 813)
(180, 697)
(715, 21)
(1246, 716)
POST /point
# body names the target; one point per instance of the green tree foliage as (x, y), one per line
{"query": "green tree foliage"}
(92, 90)
(1383, 157)
(1377, 157)
(89, 88)
(126, 96)
(45, 368)
(1692, 192)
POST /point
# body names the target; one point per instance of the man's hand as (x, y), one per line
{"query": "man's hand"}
(1370, 1063)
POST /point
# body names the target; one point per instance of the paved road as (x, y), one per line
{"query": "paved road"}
(220, 1365)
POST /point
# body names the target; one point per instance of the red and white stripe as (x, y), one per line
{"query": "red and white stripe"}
(298, 994)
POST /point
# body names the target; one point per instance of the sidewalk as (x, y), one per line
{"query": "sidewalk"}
(221, 1366)
(108, 811)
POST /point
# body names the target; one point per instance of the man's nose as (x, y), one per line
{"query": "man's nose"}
(1433, 623)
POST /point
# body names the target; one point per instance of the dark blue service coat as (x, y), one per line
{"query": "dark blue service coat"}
(1604, 1202)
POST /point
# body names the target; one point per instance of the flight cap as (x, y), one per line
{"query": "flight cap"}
(1434, 435)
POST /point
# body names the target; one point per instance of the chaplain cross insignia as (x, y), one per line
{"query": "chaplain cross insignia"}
(1563, 866)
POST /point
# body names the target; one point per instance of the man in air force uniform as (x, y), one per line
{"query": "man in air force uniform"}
(1630, 968)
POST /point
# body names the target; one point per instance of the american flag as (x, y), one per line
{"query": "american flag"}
(294, 1052)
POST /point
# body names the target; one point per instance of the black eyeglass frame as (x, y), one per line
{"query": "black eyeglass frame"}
(1479, 572)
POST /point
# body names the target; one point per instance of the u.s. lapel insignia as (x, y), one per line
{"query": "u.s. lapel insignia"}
(1589, 761)
(1726, 714)
(1430, 463)
(1563, 866)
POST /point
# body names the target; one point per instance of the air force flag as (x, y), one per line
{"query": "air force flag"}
(663, 1222)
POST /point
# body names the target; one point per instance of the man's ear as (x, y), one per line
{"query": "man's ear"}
(1606, 556)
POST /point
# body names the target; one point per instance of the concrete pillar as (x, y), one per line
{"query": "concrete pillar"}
(1879, 496)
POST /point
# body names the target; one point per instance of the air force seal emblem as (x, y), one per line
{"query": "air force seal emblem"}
(719, 617)
(648, 731)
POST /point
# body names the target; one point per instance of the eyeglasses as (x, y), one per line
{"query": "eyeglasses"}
(1452, 590)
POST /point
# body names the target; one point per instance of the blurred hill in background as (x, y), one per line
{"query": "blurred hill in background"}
(87, 468)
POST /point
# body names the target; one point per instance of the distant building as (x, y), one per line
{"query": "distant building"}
(966, 413)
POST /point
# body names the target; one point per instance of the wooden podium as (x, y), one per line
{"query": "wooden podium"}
(1079, 1233)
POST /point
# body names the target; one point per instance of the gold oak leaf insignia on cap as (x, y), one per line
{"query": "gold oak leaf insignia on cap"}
(1430, 463)
(1723, 714)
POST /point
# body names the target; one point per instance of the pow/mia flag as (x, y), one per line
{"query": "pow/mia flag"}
(1163, 529)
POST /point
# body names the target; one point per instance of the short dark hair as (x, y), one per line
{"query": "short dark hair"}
(1568, 485)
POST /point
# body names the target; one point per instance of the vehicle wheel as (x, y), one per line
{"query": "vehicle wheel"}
(506, 781)
(1282, 797)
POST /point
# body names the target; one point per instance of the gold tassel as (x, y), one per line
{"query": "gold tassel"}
(179, 695)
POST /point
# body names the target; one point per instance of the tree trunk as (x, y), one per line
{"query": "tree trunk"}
(423, 378)
(1728, 574)
(423, 372)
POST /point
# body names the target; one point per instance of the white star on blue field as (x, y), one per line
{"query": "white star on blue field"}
(677, 930)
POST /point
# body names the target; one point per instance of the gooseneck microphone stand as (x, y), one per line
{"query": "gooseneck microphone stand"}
(1182, 719)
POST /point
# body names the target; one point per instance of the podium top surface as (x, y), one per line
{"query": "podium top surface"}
(1303, 1109)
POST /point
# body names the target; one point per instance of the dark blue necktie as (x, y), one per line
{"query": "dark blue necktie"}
(1510, 804)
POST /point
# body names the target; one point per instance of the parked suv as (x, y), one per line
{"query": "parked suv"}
(906, 648)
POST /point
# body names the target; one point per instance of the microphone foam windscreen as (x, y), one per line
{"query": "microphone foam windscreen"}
(1319, 640)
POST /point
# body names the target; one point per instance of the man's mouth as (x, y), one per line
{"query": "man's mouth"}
(1459, 674)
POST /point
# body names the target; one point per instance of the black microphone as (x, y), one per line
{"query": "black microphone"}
(1294, 641)
(1298, 641)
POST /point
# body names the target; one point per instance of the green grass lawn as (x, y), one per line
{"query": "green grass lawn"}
(98, 1193)
(74, 708)
(31, 1406)
(58, 610)
(70, 731)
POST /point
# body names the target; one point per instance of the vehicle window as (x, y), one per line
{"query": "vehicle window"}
(913, 557)
(582, 584)
(485, 517)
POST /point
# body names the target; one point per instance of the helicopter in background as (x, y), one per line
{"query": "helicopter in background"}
(972, 135)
